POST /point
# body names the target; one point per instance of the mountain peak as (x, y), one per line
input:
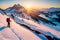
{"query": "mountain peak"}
(18, 6)
(15, 7)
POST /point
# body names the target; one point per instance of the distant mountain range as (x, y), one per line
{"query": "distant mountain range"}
(20, 11)
(49, 17)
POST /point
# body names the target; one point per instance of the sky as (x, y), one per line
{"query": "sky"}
(32, 3)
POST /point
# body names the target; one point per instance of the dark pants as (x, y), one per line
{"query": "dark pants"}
(9, 24)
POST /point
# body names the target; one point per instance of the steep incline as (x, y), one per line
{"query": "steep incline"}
(16, 32)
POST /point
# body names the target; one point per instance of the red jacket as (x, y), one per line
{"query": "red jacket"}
(8, 20)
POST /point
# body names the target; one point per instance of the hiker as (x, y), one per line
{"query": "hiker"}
(12, 16)
(8, 21)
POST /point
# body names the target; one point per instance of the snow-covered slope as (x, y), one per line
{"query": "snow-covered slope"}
(7, 34)
(19, 11)
(16, 32)
(50, 17)
(24, 27)
(35, 26)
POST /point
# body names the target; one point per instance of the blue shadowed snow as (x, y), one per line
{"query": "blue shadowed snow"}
(57, 27)
(2, 28)
(41, 36)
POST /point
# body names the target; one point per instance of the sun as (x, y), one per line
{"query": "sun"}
(28, 6)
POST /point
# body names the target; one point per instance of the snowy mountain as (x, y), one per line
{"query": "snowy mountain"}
(18, 10)
(52, 12)
(26, 26)
(2, 11)
(52, 9)
(16, 32)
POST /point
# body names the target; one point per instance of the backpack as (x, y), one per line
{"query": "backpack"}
(8, 19)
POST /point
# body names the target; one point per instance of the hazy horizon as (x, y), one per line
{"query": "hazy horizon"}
(32, 3)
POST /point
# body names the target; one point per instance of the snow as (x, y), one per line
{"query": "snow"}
(57, 27)
(23, 32)
(46, 10)
(39, 27)
(3, 20)
(43, 16)
(7, 34)
(43, 37)
(16, 32)
(19, 32)
(1, 12)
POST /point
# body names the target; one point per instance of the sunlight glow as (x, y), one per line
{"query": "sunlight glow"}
(28, 6)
